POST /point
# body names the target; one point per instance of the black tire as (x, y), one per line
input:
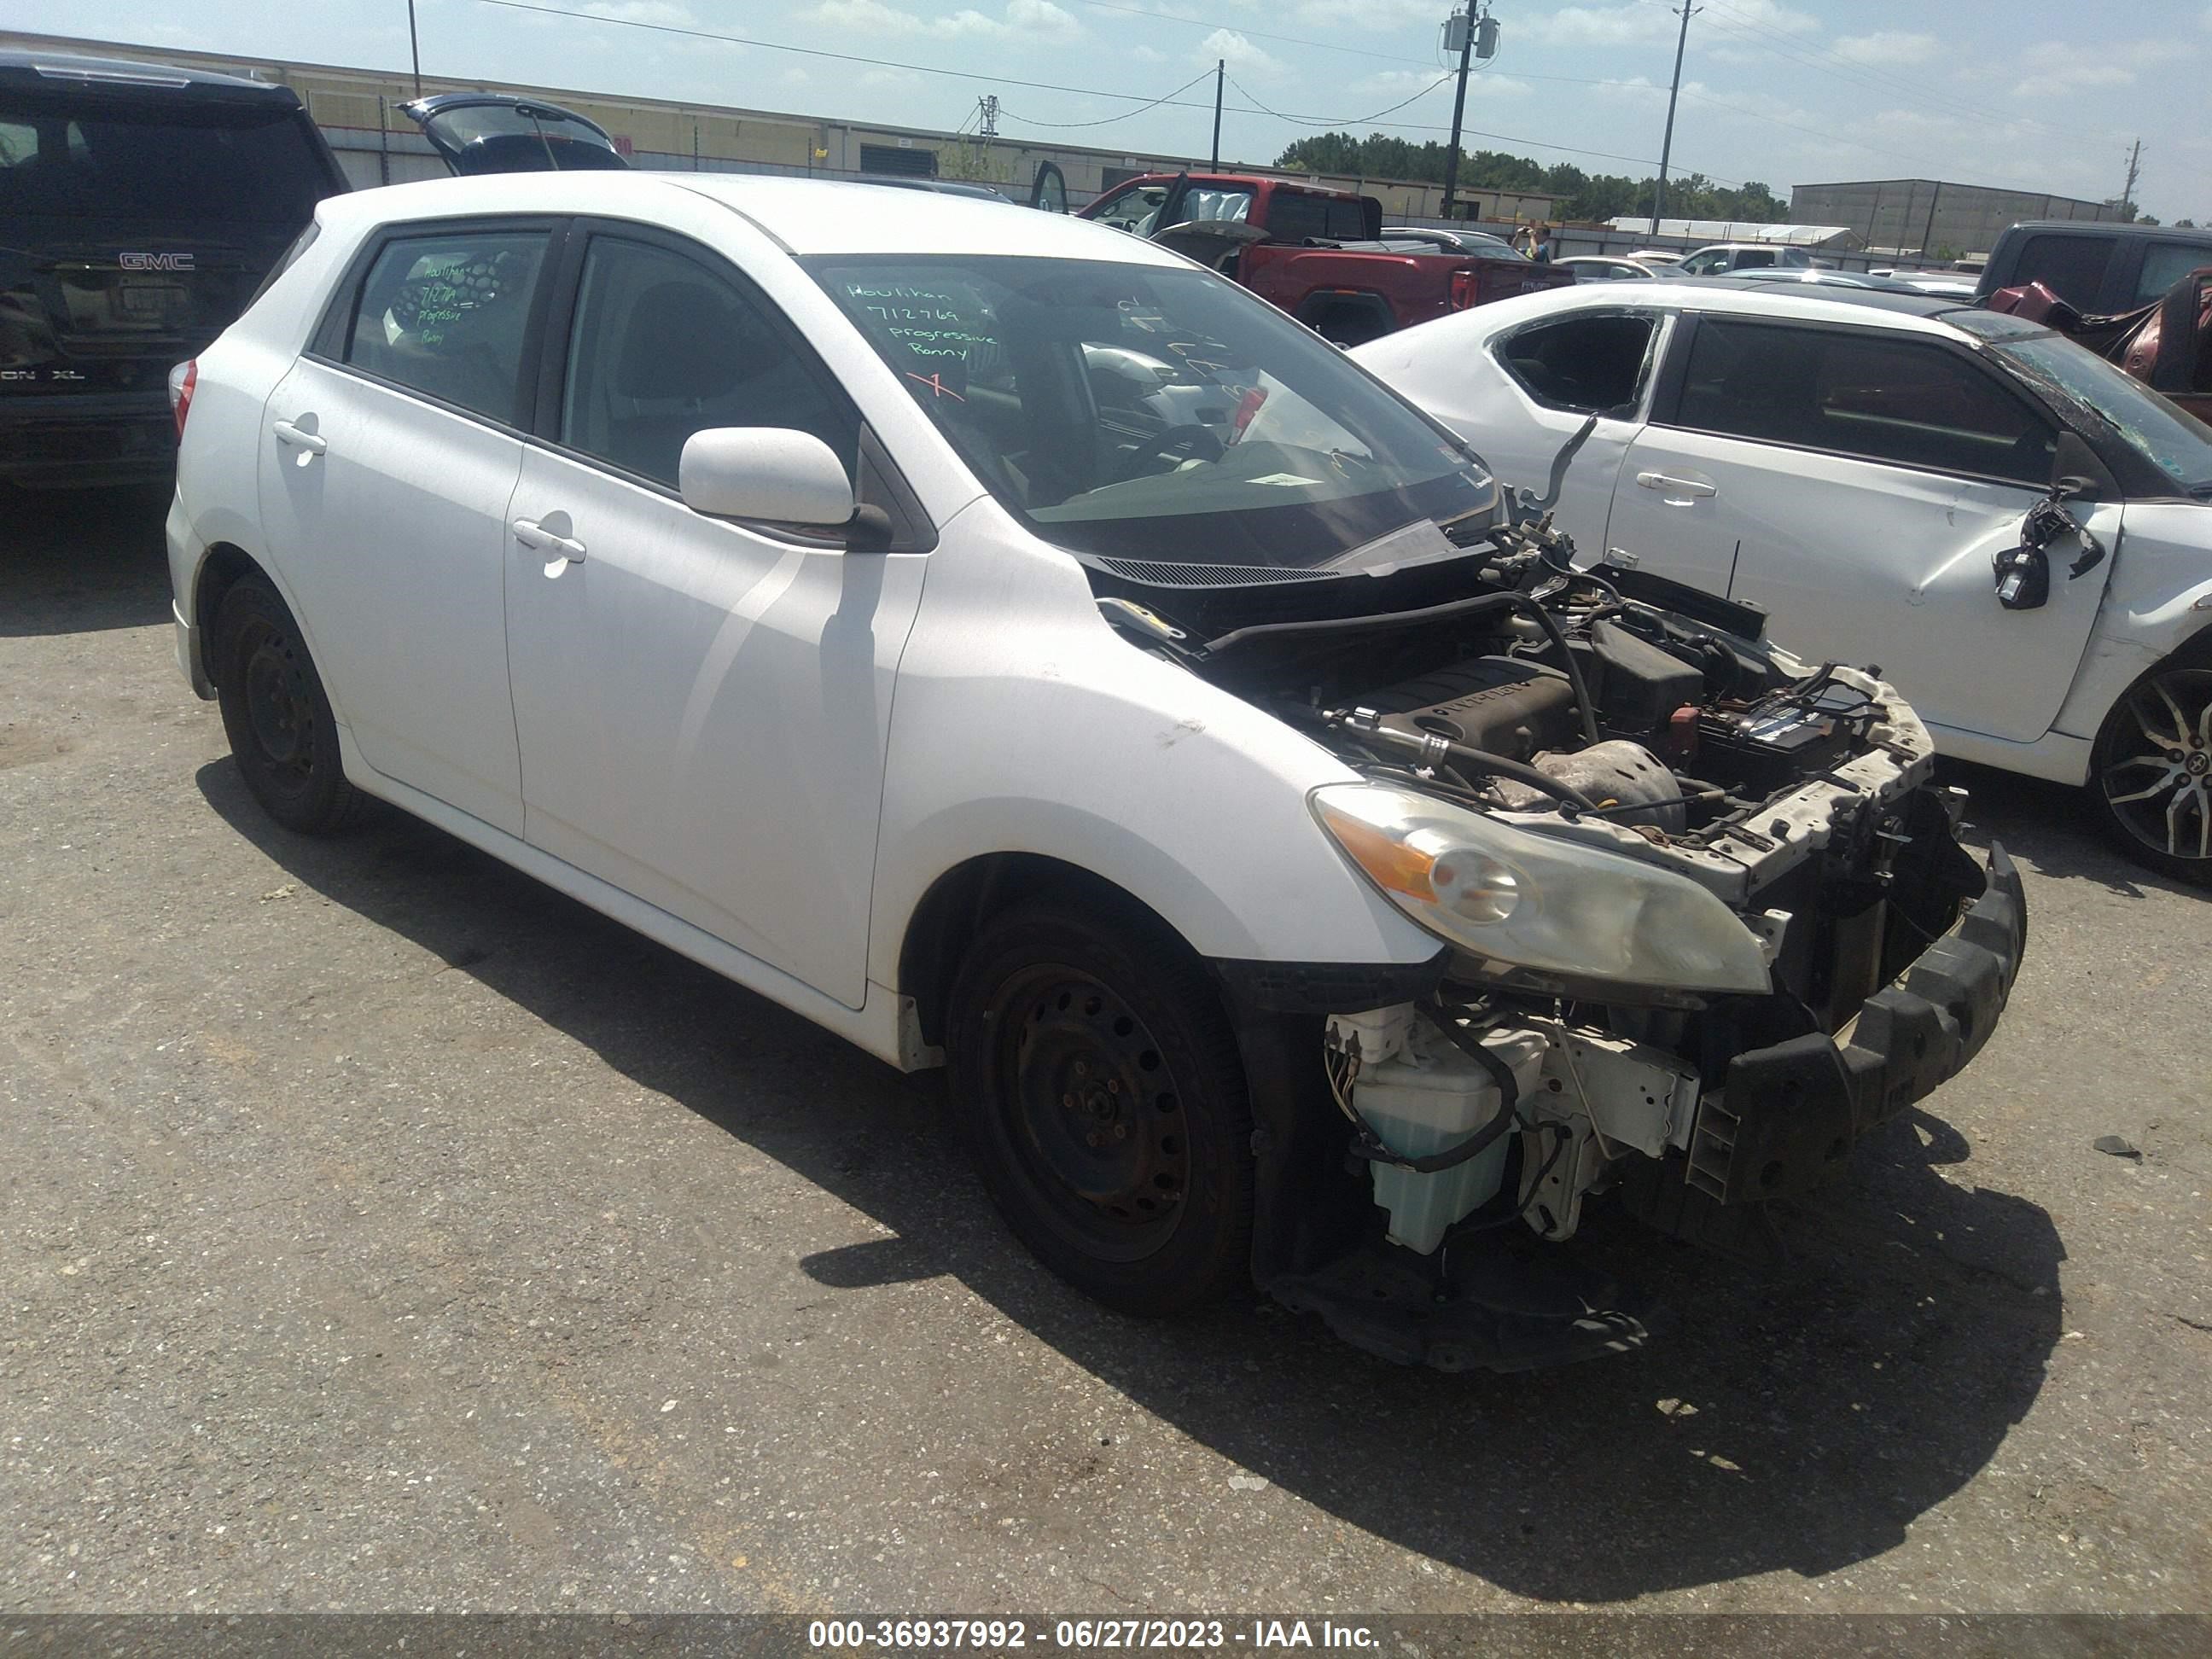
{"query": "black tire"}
(2150, 771)
(275, 714)
(1099, 1085)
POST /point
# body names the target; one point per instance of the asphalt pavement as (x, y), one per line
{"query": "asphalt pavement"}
(383, 1231)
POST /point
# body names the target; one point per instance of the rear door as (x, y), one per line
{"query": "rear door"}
(388, 458)
(1553, 376)
(1857, 482)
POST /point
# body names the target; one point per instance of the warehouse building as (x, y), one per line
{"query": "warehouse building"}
(1932, 219)
(358, 110)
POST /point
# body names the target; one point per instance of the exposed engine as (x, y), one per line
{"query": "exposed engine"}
(1625, 714)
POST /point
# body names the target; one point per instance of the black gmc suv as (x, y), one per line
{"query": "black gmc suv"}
(141, 205)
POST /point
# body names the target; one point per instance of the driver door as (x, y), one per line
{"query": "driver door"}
(702, 705)
(1855, 483)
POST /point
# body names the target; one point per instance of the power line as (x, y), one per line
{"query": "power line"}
(1105, 120)
(1168, 102)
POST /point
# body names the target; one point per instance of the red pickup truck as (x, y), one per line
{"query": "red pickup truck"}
(1316, 254)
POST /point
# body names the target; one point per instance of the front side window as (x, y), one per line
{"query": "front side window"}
(1580, 363)
(1703, 264)
(1135, 211)
(1879, 398)
(2166, 263)
(663, 347)
(1146, 411)
(445, 315)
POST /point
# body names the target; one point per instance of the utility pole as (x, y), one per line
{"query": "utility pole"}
(1674, 91)
(2128, 190)
(1220, 74)
(1462, 23)
(414, 50)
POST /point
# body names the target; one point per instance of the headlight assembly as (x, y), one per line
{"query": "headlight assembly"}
(1509, 895)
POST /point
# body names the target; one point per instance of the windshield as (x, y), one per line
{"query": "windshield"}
(2170, 439)
(178, 164)
(1142, 411)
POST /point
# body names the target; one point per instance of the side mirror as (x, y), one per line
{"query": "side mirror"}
(768, 473)
(2023, 576)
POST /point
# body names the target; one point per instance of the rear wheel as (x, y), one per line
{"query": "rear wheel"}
(2151, 770)
(1100, 1086)
(275, 713)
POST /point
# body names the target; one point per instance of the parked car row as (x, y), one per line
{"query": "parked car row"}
(965, 627)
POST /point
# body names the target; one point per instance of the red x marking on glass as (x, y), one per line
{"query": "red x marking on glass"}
(937, 386)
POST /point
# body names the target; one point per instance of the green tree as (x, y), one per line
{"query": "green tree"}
(1579, 195)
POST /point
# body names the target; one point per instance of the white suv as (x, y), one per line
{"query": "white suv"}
(1013, 646)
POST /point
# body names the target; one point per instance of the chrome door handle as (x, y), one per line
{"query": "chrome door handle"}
(300, 438)
(566, 551)
(1679, 486)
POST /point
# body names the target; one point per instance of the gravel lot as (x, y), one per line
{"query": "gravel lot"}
(384, 1231)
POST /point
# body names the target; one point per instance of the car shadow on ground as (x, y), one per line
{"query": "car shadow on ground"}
(81, 560)
(1797, 1418)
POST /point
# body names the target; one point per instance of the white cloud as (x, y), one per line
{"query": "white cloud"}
(1241, 55)
(1027, 18)
(664, 12)
(1373, 15)
(2061, 66)
(1636, 25)
(1041, 17)
(1886, 46)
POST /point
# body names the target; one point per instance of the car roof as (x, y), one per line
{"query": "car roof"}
(124, 77)
(2112, 228)
(1919, 313)
(804, 216)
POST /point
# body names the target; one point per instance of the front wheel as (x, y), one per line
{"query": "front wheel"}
(2151, 771)
(1099, 1085)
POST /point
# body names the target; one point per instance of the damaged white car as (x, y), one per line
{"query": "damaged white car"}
(1018, 649)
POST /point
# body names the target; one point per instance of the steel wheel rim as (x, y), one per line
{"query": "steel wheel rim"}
(279, 710)
(1092, 1112)
(2157, 774)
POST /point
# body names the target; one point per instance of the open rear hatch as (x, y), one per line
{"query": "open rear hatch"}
(480, 132)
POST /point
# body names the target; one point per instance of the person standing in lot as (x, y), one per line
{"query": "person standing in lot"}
(1541, 252)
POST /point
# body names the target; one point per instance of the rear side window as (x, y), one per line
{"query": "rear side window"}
(178, 165)
(445, 316)
(1752, 258)
(1582, 363)
(663, 347)
(2072, 267)
(2166, 263)
(1293, 217)
(1878, 397)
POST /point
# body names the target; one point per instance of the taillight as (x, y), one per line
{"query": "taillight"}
(1466, 289)
(182, 379)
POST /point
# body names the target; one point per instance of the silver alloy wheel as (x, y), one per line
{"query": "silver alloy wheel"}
(2157, 777)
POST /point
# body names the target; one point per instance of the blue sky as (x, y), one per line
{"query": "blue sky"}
(2031, 94)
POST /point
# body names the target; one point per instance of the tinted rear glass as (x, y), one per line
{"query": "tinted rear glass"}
(148, 164)
(2072, 267)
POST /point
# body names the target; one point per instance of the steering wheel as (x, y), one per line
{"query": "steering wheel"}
(1176, 443)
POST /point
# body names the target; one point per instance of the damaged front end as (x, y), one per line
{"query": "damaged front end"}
(1705, 924)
